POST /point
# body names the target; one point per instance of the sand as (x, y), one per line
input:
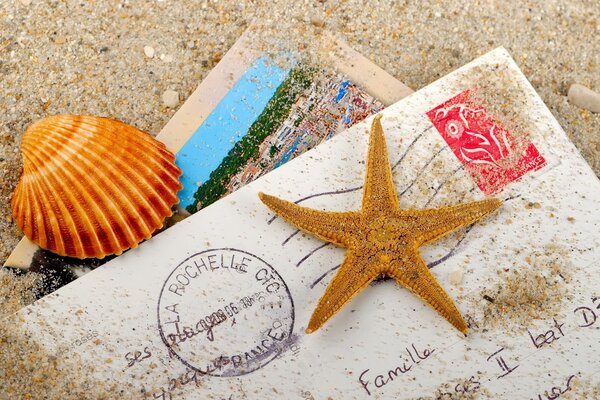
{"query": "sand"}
(89, 57)
(125, 59)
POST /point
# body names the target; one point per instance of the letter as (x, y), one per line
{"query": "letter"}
(201, 265)
(549, 337)
(176, 288)
(210, 334)
(130, 358)
(234, 308)
(226, 360)
(188, 332)
(274, 336)
(194, 376)
(221, 316)
(200, 326)
(569, 382)
(261, 274)
(244, 301)
(172, 339)
(242, 266)
(257, 351)
(236, 360)
(411, 356)
(188, 273)
(277, 324)
(273, 287)
(559, 326)
(183, 379)
(221, 361)
(172, 308)
(162, 395)
(533, 340)
(206, 324)
(185, 278)
(476, 382)
(211, 261)
(147, 353)
(380, 381)
(585, 316)
(364, 384)
(554, 394)
(223, 261)
(426, 352)
(172, 384)
(175, 321)
(266, 346)
(399, 370)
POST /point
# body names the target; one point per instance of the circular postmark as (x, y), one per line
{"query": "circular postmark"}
(225, 312)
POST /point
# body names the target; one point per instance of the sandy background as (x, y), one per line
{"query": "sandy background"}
(88, 57)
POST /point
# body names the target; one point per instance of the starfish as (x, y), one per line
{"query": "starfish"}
(381, 239)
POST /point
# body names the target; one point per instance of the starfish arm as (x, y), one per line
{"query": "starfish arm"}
(435, 223)
(379, 192)
(415, 276)
(353, 276)
(335, 227)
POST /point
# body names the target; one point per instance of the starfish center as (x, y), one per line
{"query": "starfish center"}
(385, 231)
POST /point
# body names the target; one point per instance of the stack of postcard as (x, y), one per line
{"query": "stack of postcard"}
(211, 131)
(219, 302)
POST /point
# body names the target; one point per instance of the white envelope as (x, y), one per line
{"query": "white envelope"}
(219, 302)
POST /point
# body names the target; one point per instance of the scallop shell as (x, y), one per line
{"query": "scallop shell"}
(92, 186)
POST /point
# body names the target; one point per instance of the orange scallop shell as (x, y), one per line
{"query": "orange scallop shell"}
(92, 186)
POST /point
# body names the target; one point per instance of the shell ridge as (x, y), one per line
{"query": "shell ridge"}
(100, 180)
(130, 190)
(110, 203)
(73, 176)
(93, 186)
(59, 178)
(133, 168)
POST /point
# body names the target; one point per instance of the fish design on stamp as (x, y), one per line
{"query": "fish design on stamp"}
(381, 239)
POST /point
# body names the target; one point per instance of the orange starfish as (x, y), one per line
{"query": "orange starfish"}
(381, 239)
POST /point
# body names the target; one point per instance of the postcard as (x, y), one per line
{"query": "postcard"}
(217, 305)
(220, 137)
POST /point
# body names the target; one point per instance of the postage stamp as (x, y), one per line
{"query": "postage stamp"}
(492, 156)
(225, 312)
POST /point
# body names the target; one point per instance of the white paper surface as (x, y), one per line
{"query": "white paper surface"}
(386, 343)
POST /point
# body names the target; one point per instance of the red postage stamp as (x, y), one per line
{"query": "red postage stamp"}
(492, 156)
